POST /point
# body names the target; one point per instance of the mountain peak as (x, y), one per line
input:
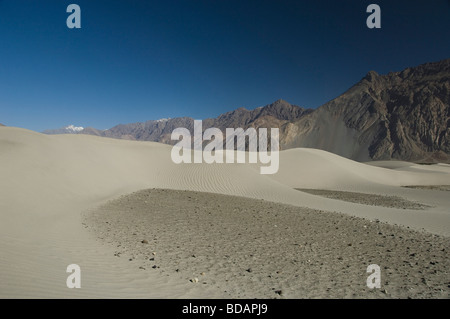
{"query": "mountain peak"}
(281, 101)
(371, 75)
(74, 128)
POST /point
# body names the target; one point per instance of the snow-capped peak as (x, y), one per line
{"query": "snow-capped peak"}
(74, 128)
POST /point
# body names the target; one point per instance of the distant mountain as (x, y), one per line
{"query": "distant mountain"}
(1, 124)
(71, 129)
(402, 115)
(273, 115)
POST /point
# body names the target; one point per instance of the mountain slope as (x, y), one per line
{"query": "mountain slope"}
(403, 115)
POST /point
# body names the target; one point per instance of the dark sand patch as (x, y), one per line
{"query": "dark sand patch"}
(251, 248)
(430, 187)
(367, 199)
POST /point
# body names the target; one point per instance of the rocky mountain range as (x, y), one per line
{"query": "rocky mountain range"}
(274, 115)
(402, 115)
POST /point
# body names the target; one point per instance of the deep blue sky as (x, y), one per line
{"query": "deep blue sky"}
(139, 60)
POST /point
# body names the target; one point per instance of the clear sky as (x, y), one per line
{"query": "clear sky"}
(133, 61)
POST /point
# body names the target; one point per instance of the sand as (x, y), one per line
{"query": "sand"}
(251, 248)
(47, 183)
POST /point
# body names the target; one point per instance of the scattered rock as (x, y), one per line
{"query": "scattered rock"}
(144, 241)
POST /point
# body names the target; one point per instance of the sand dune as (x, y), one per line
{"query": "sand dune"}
(46, 182)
